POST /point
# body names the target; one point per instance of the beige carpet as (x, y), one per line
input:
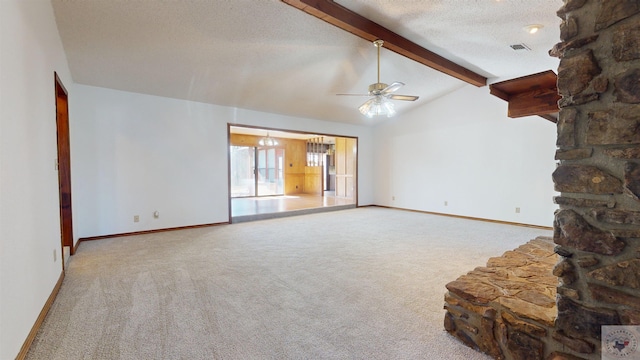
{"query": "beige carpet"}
(365, 283)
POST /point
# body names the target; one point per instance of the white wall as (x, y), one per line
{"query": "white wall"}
(31, 51)
(462, 148)
(134, 154)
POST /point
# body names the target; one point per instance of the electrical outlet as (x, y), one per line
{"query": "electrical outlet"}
(55, 255)
(446, 203)
(393, 198)
(517, 210)
(136, 218)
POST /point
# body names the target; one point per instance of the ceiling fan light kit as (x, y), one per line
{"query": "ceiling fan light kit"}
(382, 94)
(377, 106)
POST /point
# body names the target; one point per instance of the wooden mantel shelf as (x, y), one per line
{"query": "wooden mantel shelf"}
(535, 94)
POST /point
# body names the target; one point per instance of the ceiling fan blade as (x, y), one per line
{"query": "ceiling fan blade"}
(391, 88)
(403, 97)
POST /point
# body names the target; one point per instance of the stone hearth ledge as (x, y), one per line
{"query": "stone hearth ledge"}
(508, 308)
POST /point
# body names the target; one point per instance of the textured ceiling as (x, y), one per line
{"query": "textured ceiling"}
(268, 56)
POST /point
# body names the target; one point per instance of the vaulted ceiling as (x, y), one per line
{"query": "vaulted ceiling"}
(269, 56)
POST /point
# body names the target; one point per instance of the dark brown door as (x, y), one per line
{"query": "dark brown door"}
(64, 164)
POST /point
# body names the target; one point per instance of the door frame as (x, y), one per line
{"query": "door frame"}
(230, 125)
(64, 166)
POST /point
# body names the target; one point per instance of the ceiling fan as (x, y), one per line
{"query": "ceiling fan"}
(381, 94)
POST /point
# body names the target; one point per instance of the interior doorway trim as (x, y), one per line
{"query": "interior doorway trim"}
(64, 166)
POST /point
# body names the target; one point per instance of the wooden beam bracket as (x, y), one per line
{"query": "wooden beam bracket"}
(535, 94)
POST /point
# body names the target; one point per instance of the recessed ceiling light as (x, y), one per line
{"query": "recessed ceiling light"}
(533, 28)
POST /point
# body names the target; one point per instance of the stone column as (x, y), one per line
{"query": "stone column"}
(597, 228)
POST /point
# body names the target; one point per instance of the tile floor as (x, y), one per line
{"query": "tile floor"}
(274, 204)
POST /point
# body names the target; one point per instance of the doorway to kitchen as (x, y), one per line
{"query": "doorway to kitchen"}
(276, 173)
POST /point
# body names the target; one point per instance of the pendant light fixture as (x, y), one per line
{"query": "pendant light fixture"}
(268, 141)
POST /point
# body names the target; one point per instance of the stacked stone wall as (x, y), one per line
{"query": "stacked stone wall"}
(597, 228)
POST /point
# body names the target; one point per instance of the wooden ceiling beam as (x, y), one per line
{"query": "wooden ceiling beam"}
(345, 19)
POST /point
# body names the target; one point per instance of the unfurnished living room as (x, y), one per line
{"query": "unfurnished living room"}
(318, 179)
